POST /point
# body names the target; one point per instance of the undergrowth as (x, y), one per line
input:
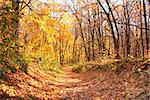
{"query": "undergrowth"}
(115, 65)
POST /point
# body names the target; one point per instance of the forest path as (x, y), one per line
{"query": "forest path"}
(70, 84)
(97, 84)
(90, 85)
(94, 84)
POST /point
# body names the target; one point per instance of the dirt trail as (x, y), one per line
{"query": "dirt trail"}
(70, 84)
(95, 84)
(91, 85)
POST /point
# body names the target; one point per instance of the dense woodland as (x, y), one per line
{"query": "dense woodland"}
(67, 49)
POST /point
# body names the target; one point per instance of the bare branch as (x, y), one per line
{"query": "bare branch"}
(26, 4)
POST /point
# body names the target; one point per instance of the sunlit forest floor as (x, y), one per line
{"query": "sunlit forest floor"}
(89, 81)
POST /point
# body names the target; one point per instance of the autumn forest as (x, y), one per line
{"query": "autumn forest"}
(74, 49)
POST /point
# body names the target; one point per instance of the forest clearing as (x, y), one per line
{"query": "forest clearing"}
(74, 50)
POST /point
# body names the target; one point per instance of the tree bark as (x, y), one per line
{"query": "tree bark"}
(146, 28)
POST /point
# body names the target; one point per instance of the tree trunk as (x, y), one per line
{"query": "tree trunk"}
(115, 23)
(74, 49)
(146, 28)
(15, 5)
(141, 30)
(112, 30)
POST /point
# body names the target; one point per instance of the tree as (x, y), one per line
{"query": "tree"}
(146, 27)
(116, 47)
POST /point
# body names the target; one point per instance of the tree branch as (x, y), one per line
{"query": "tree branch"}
(26, 4)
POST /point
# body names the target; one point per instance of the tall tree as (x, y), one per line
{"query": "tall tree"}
(112, 29)
(146, 26)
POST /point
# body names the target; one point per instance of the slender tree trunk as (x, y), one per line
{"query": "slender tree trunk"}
(83, 41)
(89, 43)
(89, 36)
(127, 30)
(141, 29)
(74, 49)
(146, 28)
(115, 23)
(128, 33)
(15, 5)
(112, 30)
(98, 32)
(93, 32)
